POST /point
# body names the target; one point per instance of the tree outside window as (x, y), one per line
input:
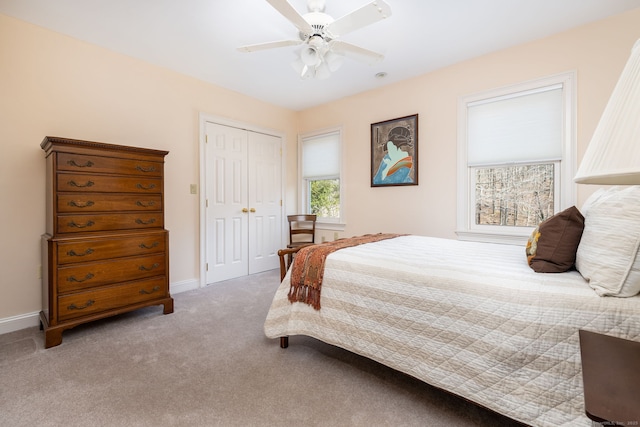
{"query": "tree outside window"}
(520, 196)
(325, 197)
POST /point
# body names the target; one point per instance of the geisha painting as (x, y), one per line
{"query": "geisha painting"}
(394, 152)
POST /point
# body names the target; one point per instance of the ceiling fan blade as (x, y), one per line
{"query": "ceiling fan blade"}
(373, 12)
(269, 45)
(355, 52)
(286, 10)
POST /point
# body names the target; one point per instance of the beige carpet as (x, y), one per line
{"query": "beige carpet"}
(209, 364)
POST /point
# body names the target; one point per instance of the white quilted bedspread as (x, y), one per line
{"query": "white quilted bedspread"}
(471, 318)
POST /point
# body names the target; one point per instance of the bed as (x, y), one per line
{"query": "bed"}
(471, 318)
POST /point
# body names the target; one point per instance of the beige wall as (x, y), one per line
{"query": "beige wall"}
(54, 85)
(597, 52)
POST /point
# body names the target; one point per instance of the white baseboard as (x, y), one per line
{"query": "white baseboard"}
(183, 286)
(28, 320)
(21, 321)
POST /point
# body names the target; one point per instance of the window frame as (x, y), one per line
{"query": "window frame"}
(565, 195)
(304, 184)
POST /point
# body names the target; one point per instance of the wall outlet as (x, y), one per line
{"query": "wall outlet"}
(335, 236)
(324, 239)
(39, 272)
(194, 189)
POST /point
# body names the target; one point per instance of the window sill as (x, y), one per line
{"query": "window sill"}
(332, 226)
(502, 238)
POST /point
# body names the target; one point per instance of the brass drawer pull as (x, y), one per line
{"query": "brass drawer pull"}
(89, 251)
(154, 245)
(75, 184)
(153, 267)
(86, 165)
(85, 225)
(143, 222)
(155, 289)
(145, 187)
(86, 204)
(82, 307)
(143, 169)
(87, 277)
(145, 204)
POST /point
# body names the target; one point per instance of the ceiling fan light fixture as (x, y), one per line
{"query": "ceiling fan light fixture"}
(322, 71)
(333, 61)
(316, 41)
(310, 56)
(308, 73)
(304, 71)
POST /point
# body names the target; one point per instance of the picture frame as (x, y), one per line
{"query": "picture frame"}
(394, 152)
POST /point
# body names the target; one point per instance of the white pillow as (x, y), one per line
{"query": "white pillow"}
(608, 254)
(595, 196)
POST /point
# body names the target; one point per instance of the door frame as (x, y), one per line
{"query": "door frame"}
(202, 193)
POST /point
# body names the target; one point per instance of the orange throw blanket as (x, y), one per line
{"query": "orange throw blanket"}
(308, 266)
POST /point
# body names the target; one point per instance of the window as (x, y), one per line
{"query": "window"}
(516, 148)
(320, 171)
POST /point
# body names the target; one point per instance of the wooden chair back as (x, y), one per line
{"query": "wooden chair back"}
(302, 230)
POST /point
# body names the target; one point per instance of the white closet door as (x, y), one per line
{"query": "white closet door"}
(243, 191)
(227, 200)
(265, 192)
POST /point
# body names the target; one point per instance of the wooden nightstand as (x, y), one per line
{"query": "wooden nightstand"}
(611, 375)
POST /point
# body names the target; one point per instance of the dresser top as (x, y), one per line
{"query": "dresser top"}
(53, 143)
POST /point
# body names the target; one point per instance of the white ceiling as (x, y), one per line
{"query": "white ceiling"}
(199, 37)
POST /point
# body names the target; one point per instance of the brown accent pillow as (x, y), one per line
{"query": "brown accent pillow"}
(553, 244)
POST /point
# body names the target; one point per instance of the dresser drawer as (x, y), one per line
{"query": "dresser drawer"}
(102, 202)
(113, 165)
(112, 297)
(82, 276)
(106, 222)
(106, 248)
(107, 184)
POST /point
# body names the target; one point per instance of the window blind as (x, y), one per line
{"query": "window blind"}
(522, 127)
(321, 156)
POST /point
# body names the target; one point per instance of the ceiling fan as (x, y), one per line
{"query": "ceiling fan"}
(322, 53)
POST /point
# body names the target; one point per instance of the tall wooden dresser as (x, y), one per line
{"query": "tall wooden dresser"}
(105, 250)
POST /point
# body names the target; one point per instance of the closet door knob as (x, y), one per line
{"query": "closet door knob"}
(245, 210)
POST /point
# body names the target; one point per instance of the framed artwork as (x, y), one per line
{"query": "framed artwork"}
(394, 152)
